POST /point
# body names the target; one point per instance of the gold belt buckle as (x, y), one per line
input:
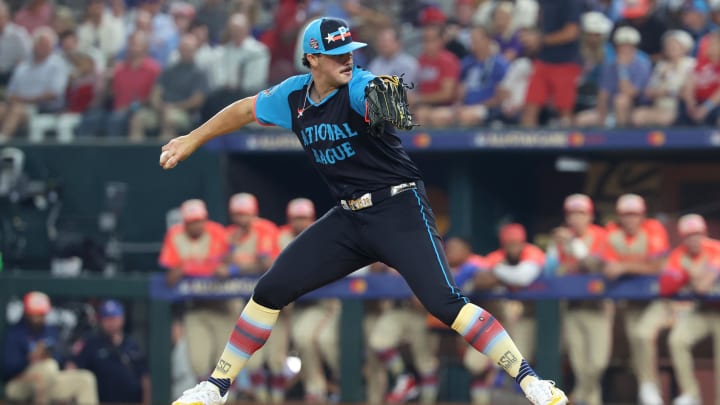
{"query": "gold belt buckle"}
(364, 201)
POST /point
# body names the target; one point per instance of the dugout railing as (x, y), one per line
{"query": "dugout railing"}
(352, 290)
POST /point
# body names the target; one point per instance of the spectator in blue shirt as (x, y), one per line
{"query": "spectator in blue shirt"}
(481, 73)
(695, 20)
(31, 361)
(115, 359)
(622, 82)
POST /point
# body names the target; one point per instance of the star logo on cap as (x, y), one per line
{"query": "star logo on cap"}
(330, 38)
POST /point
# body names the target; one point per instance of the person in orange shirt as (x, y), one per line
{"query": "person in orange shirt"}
(517, 264)
(696, 262)
(465, 265)
(197, 247)
(587, 324)
(638, 245)
(253, 239)
(254, 246)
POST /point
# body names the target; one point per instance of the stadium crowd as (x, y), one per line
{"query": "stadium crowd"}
(631, 244)
(132, 68)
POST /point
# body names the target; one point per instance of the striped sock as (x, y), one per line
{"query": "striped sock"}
(392, 360)
(487, 335)
(251, 331)
(525, 371)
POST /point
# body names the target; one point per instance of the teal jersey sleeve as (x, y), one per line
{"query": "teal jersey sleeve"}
(271, 105)
(359, 81)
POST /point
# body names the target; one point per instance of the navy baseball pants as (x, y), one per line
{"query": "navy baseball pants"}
(399, 231)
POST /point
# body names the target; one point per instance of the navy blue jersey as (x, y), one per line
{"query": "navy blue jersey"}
(119, 369)
(334, 134)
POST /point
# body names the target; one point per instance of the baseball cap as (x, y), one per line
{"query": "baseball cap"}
(691, 224)
(630, 204)
(244, 203)
(182, 9)
(696, 5)
(682, 37)
(36, 303)
(329, 36)
(635, 8)
(512, 233)
(595, 22)
(626, 35)
(193, 210)
(301, 208)
(111, 308)
(432, 15)
(578, 203)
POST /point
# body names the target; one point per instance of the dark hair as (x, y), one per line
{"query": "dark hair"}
(464, 239)
(197, 23)
(305, 61)
(66, 34)
(395, 30)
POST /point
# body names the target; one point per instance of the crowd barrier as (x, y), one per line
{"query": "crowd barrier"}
(384, 286)
(352, 290)
(479, 139)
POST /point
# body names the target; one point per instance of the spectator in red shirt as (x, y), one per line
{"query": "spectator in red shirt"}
(557, 68)
(131, 84)
(280, 39)
(35, 14)
(701, 93)
(82, 91)
(438, 75)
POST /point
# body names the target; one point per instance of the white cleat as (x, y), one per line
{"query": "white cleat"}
(650, 394)
(204, 393)
(686, 399)
(544, 392)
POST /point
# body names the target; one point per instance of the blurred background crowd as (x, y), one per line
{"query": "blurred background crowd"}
(131, 68)
(406, 348)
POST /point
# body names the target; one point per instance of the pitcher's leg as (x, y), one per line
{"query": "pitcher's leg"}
(324, 252)
(410, 243)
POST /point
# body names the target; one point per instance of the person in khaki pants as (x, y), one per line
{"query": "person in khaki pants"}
(300, 215)
(29, 369)
(465, 265)
(517, 264)
(197, 247)
(696, 262)
(587, 324)
(254, 246)
(638, 245)
(400, 322)
(404, 321)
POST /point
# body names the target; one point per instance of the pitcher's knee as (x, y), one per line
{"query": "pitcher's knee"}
(446, 311)
(272, 293)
